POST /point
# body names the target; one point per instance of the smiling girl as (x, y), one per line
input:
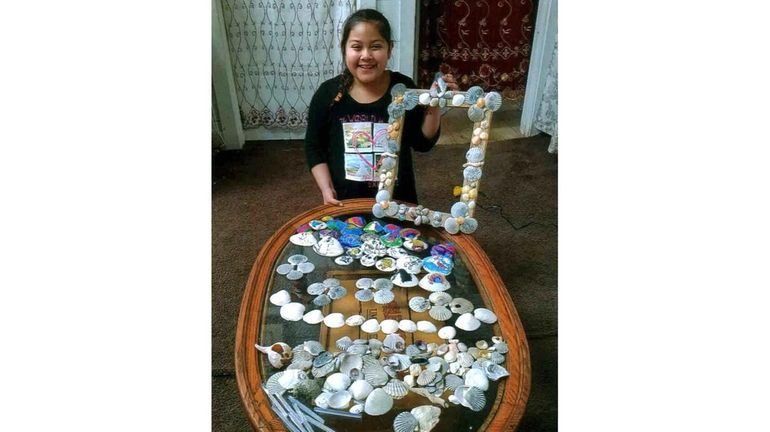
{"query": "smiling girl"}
(354, 105)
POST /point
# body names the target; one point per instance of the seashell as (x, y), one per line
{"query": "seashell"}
(389, 326)
(474, 155)
(384, 296)
(382, 284)
(323, 370)
(475, 114)
(357, 349)
(280, 298)
(399, 362)
(344, 260)
(291, 378)
(412, 350)
(438, 365)
(419, 304)
(426, 326)
(452, 226)
(410, 263)
(337, 382)
(410, 100)
(292, 311)
(470, 225)
(331, 282)
(434, 282)
(452, 381)
(351, 362)
(395, 111)
(454, 367)
(322, 400)
(477, 378)
(377, 210)
(459, 209)
(493, 101)
(364, 295)
(472, 397)
(426, 377)
(328, 246)
(300, 364)
(405, 422)
(447, 332)
(364, 283)
(474, 93)
(303, 239)
(482, 344)
(398, 90)
(495, 371)
(485, 315)
(427, 416)
(440, 313)
(375, 346)
(458, 100)
(355, 320)
(408, 326)
(396, 389)
(500, 347)
(460, 305)
(465, 359)
(323, 358)
(370, 326)
(496, 357)
(404, 279)
(415, 369)
(311, 347)
(322, 300)
(393, 343)
(440, 298)
(467, 322)
(472, 173)
(343, 343)
(334, 320)
(337, 292)
(474, 352)
(424, 98)
(316, 288)
(378, 402)
(357, 408)
(409, 380)
(438, 264)
(339, 400)
(360, 389)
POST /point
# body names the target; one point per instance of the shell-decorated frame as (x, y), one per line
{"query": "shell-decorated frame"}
(480, 107)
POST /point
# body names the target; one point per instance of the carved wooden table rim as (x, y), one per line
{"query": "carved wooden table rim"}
(514, 388)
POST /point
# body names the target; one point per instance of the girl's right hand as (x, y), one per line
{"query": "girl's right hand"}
(330, 197)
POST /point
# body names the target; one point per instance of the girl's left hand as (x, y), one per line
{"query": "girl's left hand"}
(451, 84)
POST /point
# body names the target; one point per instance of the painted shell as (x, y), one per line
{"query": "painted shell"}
(329, 247)
(408, 326)
(475, 114)
(424, 98)
(334, 320)
(440, 313)
(395, 110)
(370, 326)
(474, 93)
(360, 389)
(467, 322)
(427, 416)
(316, 288)
(485, 315)
(472, 173)
(384, 297)
(378, 402)
(419, 304)
(364, 295)
(458, 100)
(314, 316)
(292, 311)
(447, 332)
(410, 100)
(389, 326)
(340, 399)
(493, 101)
(405, 422)
(460, 305)
(426, 326)
(354, 320)
(337, 292)
(303, 239)
(438, 264)
(434, 282)
(398, 90)
(396, 389)
(405, 279)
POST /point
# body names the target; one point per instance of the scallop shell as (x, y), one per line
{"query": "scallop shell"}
(395, 110)
(360, 389)
(493, 101)
(314, 316)
(303, 239)
(272, 386)
(427, 416)
(322, 300)
(382, 284)
(470, 226)
(410, 100)
(323, 370)
(355, 320)
(475, 114)
(451, 226)
(485, 315)
(393, 343)
(474, 155)
(477, 378)
(384, 297)
(424, 98)
(340, 399)
(378, 211)
(370, 326)
(292, 311)
(337, 382)
(447, 332)
(474, 93)
(280, 298)
(467, 322)
(408, 326)
(399, 362)
(452, 381)
(334, 320)
(440, 313)
(405, 422)
(460, 305)
(458, 100)
(440, 298)
(378, 402)
(473, 397)
(426, 377)
(396, 388)
(382, 195)
(465, 359)
(364, 295)
(419, 304)
(426, 326)
(312, 347)
(472, 173)
(389, 326)
(343, 343)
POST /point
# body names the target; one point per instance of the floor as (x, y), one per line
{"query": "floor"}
(456, 128)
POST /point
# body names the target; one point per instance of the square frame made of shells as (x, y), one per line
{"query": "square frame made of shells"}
(480, 106)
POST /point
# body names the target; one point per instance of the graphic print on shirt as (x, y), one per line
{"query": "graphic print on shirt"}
(364, 143)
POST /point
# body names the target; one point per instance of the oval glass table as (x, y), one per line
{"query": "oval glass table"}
(473, 278)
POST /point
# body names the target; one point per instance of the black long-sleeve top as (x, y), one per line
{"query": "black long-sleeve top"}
(324, 137)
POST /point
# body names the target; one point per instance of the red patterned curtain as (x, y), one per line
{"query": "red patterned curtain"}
(480, 42)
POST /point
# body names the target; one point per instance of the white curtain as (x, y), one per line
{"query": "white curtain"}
(548, 118)
(281, 52)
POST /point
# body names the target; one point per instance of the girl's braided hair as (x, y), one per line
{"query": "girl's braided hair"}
(362, 15)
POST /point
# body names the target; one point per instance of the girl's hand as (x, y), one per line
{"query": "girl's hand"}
(451, 84)
(330, 197)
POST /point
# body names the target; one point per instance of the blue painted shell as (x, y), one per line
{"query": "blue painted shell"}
(392, 146)
(392, 210)
(473, 93)
(474, 155)
(472, 174)
(410, 100)
(398, 90)
(377, 210)
(388, 163)
(469, 226)
(451, 226)
(493, 101)
(395, 110)
(459, 209)
(475, 113)
(382, 195)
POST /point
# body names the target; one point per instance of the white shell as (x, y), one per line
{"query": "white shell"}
(340, 399)
(440, 313)
(427, 416)
(292, 311)
(405, 422)
(337, 382)
(315, 316)
(291, 377)
(424, 98)
(334, 320)
(389, 326)
(355, 320)
(322, 400)
(378, 402)
(360, 389)
(415, 369)
(427, 283)
(477, 378)
(409, 380)
(280, 298)
(458, 100)
(426, 326)
(447, 332)
(408, 326)
(303, 239)
(440, 298)
(370, 326)
(485, 315)
(329, 247)
(467, 322)
(396, 388)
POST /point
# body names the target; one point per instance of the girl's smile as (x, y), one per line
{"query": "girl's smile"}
(366, 53)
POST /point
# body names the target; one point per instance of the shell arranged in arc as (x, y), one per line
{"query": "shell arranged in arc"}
(424, 98)
(316, 288)
(306, 267)
(470, 226)
(384, 296)
(292, 311)
(364, 295)
(389, 326)
(458, 100)
(370, 326)
(322, 300)
(354, 320)
(426, 326)
(334, 320)
(474, 93)
(408, 326)
(495, 371)
(337, 292)
(314, 316)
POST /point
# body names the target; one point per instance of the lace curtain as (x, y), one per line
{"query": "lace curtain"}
(281, 52)
(548, 119)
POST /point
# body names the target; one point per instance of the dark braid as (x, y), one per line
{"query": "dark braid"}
(362, 15)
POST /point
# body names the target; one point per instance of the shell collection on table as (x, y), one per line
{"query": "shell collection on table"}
(366, 376)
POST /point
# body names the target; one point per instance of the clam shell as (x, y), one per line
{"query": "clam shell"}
(426, 326)
(357, 408)
(408, 326)
(280, 298)
(360, 389)
(434, 282)
(314, 316)
(384, 297)
(470, 226)
(495, 371)
(312, 347)
(415, 369)
(409, 380)
(303, 239)
(291, 377)
(493, 101)
(364, 295)
(355, 320)
(378, 402)
(424, 98)
(467, 322)
(410, 100)
(440, 313)
(393, 343)
(447, 332)
(458, 100)
(322, 300)
(322, 400)
(419, 304)
(485, 315)
(337, 381)
(389, 326)
(316, 288)
(292, 311)
(351, 363)
(340, 399)
(329, 247)
(396, 388)
(427, 416)
(451, 226)
(477, 378)
(370, 326)
(460, 305)
(334, 320)
(337, 292)
(343, 343)
(482, 344)
(472, 397)
(382, 284)
(405, 422)
(440, 298)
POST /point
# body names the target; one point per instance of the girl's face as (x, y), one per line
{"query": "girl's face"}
(366, 53)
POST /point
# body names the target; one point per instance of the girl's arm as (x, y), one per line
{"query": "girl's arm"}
(324, 181)
(432, 120)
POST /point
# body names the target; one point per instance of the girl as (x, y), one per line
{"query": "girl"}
(348, 112)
